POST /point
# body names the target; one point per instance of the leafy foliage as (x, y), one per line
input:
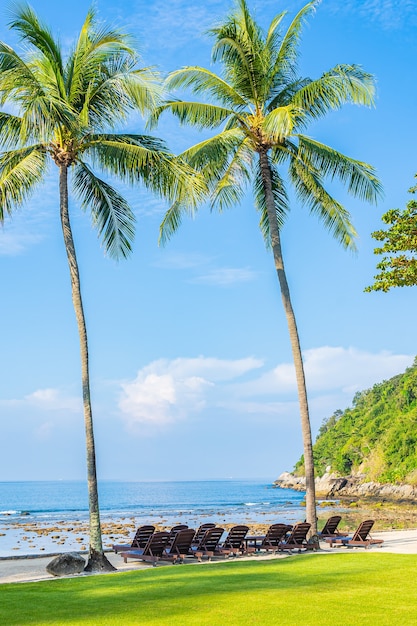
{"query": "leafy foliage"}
(264, 106)
(65, 111)
(399, 267)
(377, 436)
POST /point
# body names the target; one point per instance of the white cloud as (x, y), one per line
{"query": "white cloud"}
(13, 243)
(47, 400)
(180, 260)
(226, 276)
(165, 392)
(389, 14)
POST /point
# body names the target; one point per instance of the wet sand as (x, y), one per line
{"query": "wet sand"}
(30, 538)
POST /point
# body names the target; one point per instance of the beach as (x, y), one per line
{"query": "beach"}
(30, 569)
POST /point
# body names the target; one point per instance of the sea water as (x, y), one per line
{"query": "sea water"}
(52, 500)
(35, 516)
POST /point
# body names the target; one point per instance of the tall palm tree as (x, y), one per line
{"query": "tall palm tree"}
(66, 112)
(264, 105)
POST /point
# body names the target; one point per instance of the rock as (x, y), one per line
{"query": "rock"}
(66, 564)
(330, 485)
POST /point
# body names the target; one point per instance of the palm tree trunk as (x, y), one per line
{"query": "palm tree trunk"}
(311, 514)
(96, 559)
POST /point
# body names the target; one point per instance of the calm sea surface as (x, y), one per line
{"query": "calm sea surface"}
(234, 499)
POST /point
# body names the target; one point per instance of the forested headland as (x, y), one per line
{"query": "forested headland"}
(375, 438)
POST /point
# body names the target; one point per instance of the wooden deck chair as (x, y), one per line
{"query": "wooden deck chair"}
(152, 551)
(139, 541)
(330, 528)
(297, 539)
(199, 533)
(275, 535)
(174, 530)
(180, 546)
(234, 542)
(208, 543)
(360, 538)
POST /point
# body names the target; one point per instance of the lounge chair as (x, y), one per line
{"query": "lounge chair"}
(274, 536)
(360, 538)
(139, 541)
(152, 551)
(174, 530)
(330, 528)
(297, 539)
(199, 533)
(234, 542)
(208, 543)
(180, 546)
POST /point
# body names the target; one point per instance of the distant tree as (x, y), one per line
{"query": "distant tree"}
(64, 113)
(265, 106)
(399, 269)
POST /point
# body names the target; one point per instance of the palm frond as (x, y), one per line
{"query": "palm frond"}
(231, 186)
(135, 158)
(41, 109)
(285, 55)
(197, 114)
(360, 178)
(110, 212)
(27, 24)
(20, 171)
(342, 84)
(280, 123)
(172, 221)
(239, 45)
(280, 200)
(311, 192)
(212, 155)
(282, 94)
(201, 80)
(10, 130)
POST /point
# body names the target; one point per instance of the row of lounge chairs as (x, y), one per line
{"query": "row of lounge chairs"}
(182, 542)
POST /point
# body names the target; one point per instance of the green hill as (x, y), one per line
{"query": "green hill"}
(376, 437)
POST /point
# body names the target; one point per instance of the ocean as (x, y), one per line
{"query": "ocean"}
(30, 506)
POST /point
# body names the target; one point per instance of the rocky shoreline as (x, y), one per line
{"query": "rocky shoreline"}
(330, 486)
(392, 506)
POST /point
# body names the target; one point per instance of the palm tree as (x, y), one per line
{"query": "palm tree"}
(264, 106)
(66, 112)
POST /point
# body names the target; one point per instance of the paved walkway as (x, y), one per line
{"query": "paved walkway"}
(25, 569)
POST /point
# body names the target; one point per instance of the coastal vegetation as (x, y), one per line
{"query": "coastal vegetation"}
(399, 243)
(65, 112)
(376, 437)
(345, 588)
(264, 107)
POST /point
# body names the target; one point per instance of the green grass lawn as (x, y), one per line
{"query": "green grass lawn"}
(349, 588)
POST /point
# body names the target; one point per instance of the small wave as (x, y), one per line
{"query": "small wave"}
(251, 503)
(9, 512)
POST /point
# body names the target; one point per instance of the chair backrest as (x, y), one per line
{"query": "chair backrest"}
(174, 531)
(275, 534)
(298, 534)
(142, 535)
(235, 536)
(363, 530)
(156, 544)
(182, 541)
(330, 526)
(199, 533)
(210, 539)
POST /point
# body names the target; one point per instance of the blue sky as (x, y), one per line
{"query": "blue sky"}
(191, 366)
